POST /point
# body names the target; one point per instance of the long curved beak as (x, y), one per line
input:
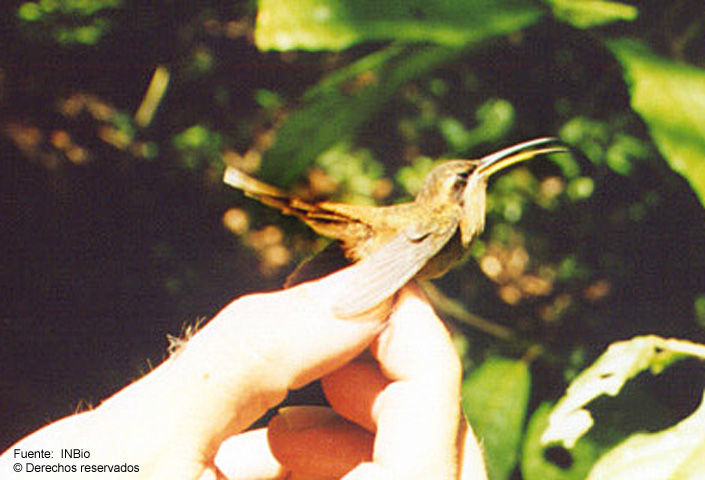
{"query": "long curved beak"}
(518, 153)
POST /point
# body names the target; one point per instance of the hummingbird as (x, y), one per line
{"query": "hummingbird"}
(419, 239)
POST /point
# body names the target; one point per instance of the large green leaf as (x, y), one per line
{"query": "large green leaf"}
(677, 453)
(495, 398)
(591, 13)
(670, 97)
(332, 110)
(635, 409)
(621, 362)
(673, 453)
(337, 24)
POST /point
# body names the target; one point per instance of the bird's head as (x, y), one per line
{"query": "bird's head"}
(464, 182)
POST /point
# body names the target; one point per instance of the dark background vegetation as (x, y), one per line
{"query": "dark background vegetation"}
(117, 233)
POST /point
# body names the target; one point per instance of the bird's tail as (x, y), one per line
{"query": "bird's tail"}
(268, 194)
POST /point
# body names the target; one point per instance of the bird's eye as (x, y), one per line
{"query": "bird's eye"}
(460, 179)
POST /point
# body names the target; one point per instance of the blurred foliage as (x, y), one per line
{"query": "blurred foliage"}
(118, 117)
(197, 145)
(495, 400)
(591, 13)
(346, 98)
(68, 21)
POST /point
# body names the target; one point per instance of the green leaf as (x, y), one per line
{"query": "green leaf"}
(70, 22)
(670, 98)
(591, 13)
(621, 362)
(338, 24)
(198, 145)
(334, 108)
(495, 398)
(675, 453)
(536, 465)
(268, 99)
(580, 188)
(495, 117)
(699, 307)
(29, 12)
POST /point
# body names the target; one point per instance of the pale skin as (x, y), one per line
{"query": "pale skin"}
(392, 378)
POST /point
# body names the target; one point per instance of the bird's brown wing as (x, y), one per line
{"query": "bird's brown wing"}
(389, 268)
(330, 219)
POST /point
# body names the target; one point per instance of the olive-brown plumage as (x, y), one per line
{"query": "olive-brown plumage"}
(392, 244)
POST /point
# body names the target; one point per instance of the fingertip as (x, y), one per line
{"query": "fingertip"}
(352, 389)
(369, 471)
(247, 456)
(412, 299)
(316, 440)
(416, 343)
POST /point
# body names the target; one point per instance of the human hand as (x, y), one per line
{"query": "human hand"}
(401, 402)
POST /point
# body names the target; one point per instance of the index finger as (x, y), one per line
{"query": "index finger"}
(418, 414)
(240, 364)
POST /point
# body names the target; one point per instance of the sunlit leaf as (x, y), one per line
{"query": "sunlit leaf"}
(621, 362)
(635, 409)
(495, 398)
(592, 13)
(338, 24)
(675, 453)
(536, 464)
(670, 97)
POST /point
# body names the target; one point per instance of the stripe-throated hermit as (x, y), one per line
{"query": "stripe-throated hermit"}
(393, 244)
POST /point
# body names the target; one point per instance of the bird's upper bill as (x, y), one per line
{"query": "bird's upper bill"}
(518, 153)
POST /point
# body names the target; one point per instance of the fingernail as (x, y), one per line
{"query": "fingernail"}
(304, 417)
